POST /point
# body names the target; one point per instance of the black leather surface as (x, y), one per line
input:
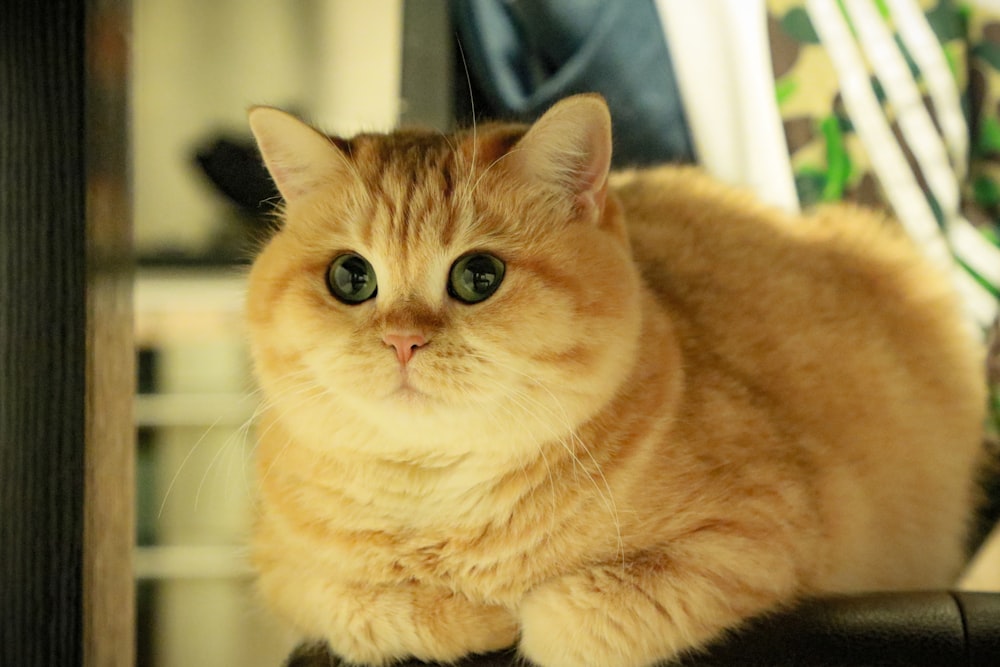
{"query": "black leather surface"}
(904, 629)
(932, 629)
(981, 616)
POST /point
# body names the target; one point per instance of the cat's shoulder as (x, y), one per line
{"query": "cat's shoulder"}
(682, 218)
(669, 180)
(679, 195)
(687, 197)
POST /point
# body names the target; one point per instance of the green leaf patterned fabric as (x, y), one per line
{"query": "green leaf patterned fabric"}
(831, 161)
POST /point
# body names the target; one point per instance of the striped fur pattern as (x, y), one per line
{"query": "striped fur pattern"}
(680, 409)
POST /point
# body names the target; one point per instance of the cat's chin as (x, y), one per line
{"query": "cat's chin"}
(412, 391)
(410, 396)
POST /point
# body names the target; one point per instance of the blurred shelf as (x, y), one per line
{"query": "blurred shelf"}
(191, 562)
(178, 304)
(156, 410)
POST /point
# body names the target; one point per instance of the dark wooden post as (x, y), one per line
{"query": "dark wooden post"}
(65, 342)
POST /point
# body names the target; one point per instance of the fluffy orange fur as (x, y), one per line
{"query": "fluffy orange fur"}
(680, 409)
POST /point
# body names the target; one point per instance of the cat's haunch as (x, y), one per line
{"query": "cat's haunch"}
(510, 398)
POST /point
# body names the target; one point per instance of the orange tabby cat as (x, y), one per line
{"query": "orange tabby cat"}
(512, 399)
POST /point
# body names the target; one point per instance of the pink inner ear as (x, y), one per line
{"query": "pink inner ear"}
(595, 198)
(289, 180)
(570, 147)
(593, 181)
(589, 181)
(297, 156)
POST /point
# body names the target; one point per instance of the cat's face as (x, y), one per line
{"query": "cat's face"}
(422, 284)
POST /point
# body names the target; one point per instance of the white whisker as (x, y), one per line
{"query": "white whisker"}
(475, 186)
(475, 135)
(184, 461)
(514, 420)
(562, 418)
(316, 397)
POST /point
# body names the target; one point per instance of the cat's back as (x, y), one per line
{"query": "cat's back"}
(723, 262)
(796, 299)
(843, 336)
(689, 230)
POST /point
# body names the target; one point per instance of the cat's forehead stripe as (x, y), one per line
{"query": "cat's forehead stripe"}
(414, 179)
(403, 212)
(401, 151)
(409, 175)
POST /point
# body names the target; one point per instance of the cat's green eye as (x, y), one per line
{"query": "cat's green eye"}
(351, 279)
(475, 277)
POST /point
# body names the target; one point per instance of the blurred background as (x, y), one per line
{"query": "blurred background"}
(197, 67)
(752, 93)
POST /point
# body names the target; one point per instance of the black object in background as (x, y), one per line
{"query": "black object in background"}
(521, 56)
(235, 167)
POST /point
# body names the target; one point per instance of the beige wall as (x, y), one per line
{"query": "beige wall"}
(198, 65)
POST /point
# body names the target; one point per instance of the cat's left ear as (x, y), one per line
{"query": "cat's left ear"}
(569, 147)
(298, 157)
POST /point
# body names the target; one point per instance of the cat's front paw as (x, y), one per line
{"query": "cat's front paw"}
(384, 625)
(597, 619)
(319, 654)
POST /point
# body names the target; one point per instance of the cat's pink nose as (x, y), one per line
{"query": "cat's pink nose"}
(406, 344)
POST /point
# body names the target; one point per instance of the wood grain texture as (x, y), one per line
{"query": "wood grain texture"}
(109, 482)
(42, 333)
(62, 439)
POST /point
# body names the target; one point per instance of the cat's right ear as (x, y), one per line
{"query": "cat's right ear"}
(298, 157)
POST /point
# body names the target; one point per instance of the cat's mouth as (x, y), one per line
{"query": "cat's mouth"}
(406, 391)
(408, 397)
(405, 388)
(419, 388)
